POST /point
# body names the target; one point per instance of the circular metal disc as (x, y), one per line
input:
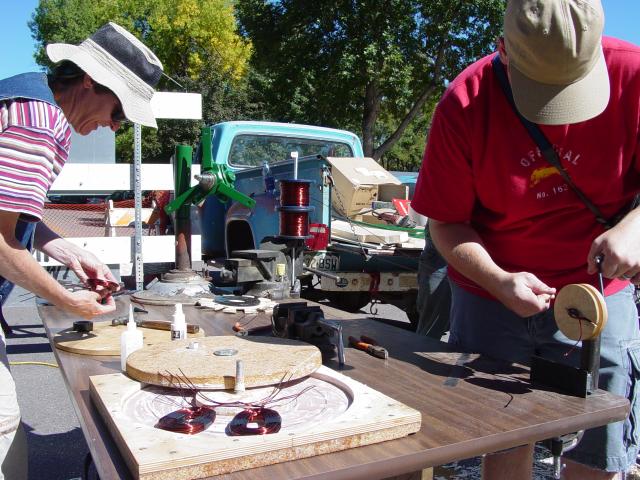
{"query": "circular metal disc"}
(237, 300)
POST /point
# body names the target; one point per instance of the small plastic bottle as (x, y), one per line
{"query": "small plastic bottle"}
(130, 340)
(269, 180)
(179, 324)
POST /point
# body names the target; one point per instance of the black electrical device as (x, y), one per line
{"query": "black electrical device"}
(298, 321)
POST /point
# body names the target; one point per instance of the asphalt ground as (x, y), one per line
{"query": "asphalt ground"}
(57, 448)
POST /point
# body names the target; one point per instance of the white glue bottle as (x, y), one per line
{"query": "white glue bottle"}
(179, 324)
(130, 340)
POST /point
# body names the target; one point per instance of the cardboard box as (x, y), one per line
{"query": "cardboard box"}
(356, 183)
(388, 192)
(368, 218)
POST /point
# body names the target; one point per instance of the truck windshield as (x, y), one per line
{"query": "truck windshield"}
(253, 150)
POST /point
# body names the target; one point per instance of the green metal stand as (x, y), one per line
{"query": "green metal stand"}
(214, 179)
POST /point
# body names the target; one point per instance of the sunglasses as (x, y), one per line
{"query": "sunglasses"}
(118, 114)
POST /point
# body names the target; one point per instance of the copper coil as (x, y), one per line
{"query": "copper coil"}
(188, 420)
(294, 193)
(267, 420)
(294, 224)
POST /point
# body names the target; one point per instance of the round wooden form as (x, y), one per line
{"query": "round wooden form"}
(266, 361)
(104, 339)
(589, 302)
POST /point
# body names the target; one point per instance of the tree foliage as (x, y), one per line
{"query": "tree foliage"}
(365, 65)
(222, 100)
(196, 40)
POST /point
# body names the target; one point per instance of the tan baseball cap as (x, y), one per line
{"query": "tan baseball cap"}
(556, 65)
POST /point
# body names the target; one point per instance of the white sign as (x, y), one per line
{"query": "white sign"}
(176, 105)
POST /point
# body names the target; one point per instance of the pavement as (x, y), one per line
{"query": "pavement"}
(57, 448)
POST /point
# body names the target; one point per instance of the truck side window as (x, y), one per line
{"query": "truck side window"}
(252, 150)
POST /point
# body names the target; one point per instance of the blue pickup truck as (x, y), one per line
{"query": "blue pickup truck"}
(255, 149)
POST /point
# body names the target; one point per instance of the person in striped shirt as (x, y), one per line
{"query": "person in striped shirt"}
(101, 82)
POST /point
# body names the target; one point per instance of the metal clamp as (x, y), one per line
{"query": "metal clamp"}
(337, 331)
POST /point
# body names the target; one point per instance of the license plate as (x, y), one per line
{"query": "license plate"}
(326, 262)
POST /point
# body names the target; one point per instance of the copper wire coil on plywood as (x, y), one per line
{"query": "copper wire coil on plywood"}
(188, 420)
(580, 311)
(266, 421)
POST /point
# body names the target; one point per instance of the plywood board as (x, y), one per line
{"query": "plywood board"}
(580, 311)
(266, 361)
(105, 339)
(336, 414)
(360, 233)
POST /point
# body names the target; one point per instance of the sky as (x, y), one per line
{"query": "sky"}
(17, 47)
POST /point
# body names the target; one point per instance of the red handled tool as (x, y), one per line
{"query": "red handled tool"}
(241, 331)
(369, 345)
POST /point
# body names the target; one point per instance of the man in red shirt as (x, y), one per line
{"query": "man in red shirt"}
(512, 230)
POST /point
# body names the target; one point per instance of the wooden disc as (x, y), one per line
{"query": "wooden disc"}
(584, 301)
(104, 339)
(266, 361)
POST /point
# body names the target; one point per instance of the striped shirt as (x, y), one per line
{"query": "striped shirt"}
(34, 146)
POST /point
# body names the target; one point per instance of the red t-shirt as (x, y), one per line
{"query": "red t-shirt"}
(482, 167)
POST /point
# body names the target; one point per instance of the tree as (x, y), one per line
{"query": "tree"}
(222, 100)
(189, 37)
(366, 65)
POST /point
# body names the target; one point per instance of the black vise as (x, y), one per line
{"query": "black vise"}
(298, 321)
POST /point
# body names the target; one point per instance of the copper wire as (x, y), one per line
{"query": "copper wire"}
(196, 418)
(294, 224)
(577, 314)
(267, 421)
(294, 193)
(188, 420)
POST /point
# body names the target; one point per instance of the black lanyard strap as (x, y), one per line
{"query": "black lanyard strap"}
(543, 143)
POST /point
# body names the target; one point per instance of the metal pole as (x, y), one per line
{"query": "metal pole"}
(182, 172)
(137, 189)
(294, 156)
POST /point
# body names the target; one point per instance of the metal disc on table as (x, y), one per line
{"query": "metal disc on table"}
(266, 361)
(237, 300)
(237, 304)
(580, 311)
(155, 298)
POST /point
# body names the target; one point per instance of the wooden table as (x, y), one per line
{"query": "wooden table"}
(470, 405)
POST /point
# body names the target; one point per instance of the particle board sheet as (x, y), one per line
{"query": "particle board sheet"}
(360, 233)
(335, 413)
(266, 361)
(104, 339)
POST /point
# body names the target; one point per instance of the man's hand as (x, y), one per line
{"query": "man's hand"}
(86, 265)
(620, 249)
(83, 263)
(523, 293)
(88, 304)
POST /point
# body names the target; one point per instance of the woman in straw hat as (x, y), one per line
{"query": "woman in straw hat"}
(106, 79)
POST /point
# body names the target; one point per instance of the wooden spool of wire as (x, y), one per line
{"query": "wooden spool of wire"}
(580, 311)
